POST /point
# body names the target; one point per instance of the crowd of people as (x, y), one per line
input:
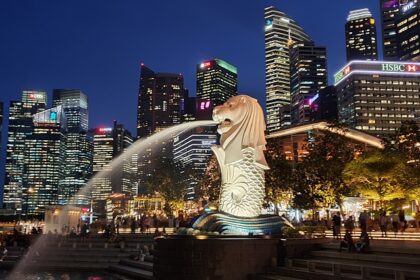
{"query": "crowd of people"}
(395, 222)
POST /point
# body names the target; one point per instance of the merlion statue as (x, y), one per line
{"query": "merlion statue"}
(241, 156)
(242, 164)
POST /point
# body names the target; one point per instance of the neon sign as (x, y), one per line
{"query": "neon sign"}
(377, 68)
(204, 105)
(392, 67)
(36, 96)
(205, 64)
(53, 116)
(105, 129)
(407, 6)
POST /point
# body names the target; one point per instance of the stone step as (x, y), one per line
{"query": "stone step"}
(130, 271)
(274, 277)
(378, 258)
(355, 268)
(138, 264)
(380, 248)
(307, 275)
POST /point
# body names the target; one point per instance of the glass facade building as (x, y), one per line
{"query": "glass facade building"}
(376, 97)
(389, 12)
(281, 32)
(20, 127)
(308, 75)
(43, 161)
(361, 38)
(193, 150)
(78, 145)
(217, 81)
(408, 31)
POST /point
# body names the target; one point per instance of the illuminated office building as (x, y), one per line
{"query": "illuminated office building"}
(377, 96)
(407, 24)
(43, 161)
(281, 32)
(108, 144)
(217, 81)
(126, 181)
(78, 145)
(308, 75)
(20, 127)
(103, 153)
(159, 107)
(389, 12)
(361, 39)
(193, 150)
(159, 101)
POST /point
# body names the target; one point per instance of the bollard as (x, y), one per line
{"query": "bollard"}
(106, 245)
(137, 246)
(74, 245)
(90, 245)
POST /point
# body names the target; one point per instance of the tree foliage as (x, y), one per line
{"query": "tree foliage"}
(378, 175)
(278, 177)
(317, 180)
(210, 183)
(170, 179)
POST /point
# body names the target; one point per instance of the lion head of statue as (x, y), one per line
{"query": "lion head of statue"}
(241, 126)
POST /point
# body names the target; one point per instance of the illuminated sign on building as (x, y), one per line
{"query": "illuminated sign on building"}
(204, 105)
(205, 64)
(377, 68)
(268, 24)
(408, 6)
(53, 116)
(36, 96)
(105, 129)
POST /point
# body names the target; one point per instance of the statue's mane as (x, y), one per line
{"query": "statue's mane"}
(249, 133)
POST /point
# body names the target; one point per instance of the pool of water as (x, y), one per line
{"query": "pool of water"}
(62, 276)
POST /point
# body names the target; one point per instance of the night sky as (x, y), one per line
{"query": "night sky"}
(97, 45)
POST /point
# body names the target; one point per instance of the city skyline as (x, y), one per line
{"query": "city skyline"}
(68, 55)
(126, 85)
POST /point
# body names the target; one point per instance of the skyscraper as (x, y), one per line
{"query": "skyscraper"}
(217, 81)
(103, 153)
(78, 145)
(108, 144)
(126, 181)
(361, 40)
(43, 161)
(193, 150)
(159, 107)
(159, 101)
(308, 75)
(21, 126)
(407, 24)
(377, 96)
(280, 32)
(389, 11)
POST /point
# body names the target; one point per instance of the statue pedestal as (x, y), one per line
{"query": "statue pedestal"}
(210, 258)
(228, 224)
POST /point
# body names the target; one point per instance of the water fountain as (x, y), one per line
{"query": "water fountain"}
(139, 148)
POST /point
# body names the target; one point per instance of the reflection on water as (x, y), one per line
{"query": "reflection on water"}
(61, 276)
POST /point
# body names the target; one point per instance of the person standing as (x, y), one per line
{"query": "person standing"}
(395, 223)
(383, 223)
(363, 220)
(337, 225)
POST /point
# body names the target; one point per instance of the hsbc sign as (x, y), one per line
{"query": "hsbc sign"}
(392, 67)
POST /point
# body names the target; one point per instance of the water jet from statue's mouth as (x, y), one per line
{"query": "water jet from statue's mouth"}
(224, 125)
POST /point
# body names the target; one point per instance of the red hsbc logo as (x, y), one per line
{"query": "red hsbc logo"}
(411, 68)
